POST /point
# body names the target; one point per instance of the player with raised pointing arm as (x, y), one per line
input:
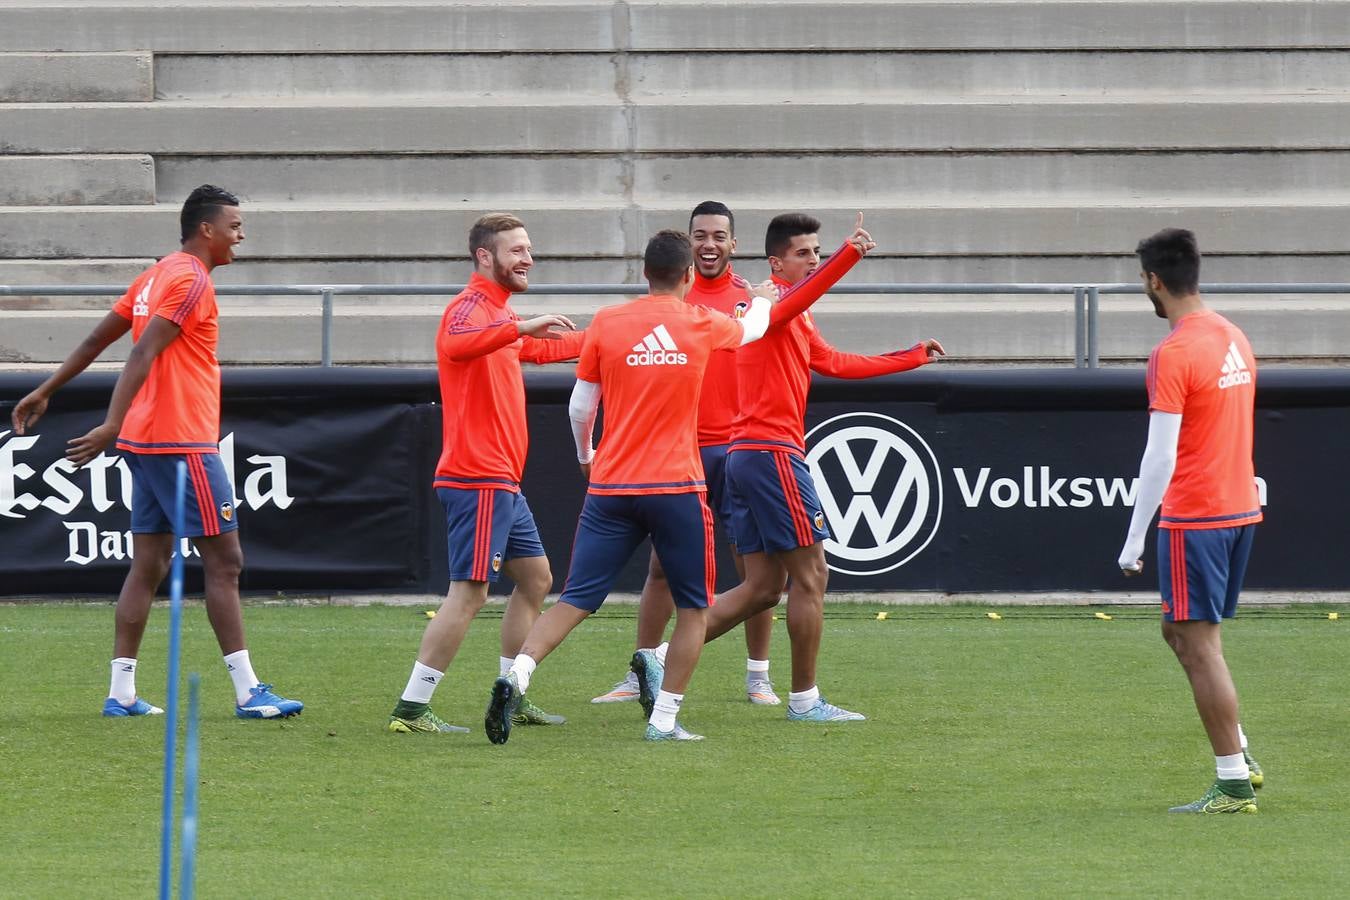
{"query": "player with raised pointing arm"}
(647, 360)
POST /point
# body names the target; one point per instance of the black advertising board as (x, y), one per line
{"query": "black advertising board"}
(950, 480)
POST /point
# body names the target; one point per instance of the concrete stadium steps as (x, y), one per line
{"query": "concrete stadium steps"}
(493, 25)
(76, 180)
(983, 329)
(1072, 226)
(589, 125)
(774, 76)
(65, 77)
(1119, 268)
(216, 76)
(787, 178)
(411, 125)
(478, 180)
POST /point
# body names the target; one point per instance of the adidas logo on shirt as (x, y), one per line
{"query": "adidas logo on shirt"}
(141, 306)
(657, 349)
(1234, 369)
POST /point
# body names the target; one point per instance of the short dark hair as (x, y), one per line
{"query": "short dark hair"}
(784, 228)
(713, 208)
(668, 256)
(201, 206)
(484, 232)
(1173, 255)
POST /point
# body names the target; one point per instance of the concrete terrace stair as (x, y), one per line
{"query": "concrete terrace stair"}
(986, 141)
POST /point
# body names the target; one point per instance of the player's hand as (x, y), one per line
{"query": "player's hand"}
(935, 349)
(765, 289)
(83, 449)
(27, 412)
(546, 327)
(860, 239)
(1129, 570)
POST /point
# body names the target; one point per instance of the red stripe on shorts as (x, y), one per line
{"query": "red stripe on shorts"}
(709, 552)
(794, 498)
(483, 536)
(206, 501)
(1181, 601)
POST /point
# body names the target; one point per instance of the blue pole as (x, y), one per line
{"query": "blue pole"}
(187, 847)
(171, 694)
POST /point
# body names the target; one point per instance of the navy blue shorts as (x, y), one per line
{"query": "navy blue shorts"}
(612, 527)
(484, 529)
(1200, 571)
(208, 503)
(774, 507)
(715, 474)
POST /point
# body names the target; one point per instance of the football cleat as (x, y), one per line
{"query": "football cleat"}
(824, 712)
(138, 708)
(678, 734)
(622, 692)
(1254, 773)
(506, 697)
(1218, 800)
(650, 673)
(529, 714)
(760, 692)
(425, 723)
(263, 704)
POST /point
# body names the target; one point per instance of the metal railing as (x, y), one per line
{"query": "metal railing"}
(1086, 298)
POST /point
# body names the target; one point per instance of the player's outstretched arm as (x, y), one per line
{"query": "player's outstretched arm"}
(826, 360)
(1155, 473)
(554, 344)
(582, 409)
(807, 291)
(157, 335)
(31, 407)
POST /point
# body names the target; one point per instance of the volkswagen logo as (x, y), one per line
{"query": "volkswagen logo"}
(881, 489)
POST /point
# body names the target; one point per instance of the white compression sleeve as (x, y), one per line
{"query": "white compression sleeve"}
(1155, 472)
(756, 320)
(582, 409)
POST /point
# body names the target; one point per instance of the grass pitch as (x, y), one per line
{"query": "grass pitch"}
(1033, 755)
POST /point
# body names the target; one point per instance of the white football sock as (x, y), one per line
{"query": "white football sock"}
(801, 701)
(241, 673)
(421, 684)
(504, 664)
(1232, 767)
(756, 670)
(660, 651)
(1242, 737)
(123, 688)
(665, 709)
(524, 667)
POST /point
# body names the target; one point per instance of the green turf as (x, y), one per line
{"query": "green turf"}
(1035, 755)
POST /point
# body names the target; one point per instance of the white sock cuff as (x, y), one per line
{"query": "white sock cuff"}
(524, 667)
(660, 651)
(1231, 767)
(812, 694)
(756, 665)
(241, 674)
(421, 683)
(1242, 737)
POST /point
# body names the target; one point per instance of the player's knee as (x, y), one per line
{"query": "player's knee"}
(226, 564)
(537, 583)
